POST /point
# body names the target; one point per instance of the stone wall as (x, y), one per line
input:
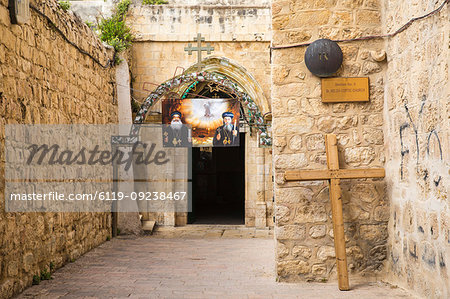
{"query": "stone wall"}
(303, 229)
(239, 31)
(45, 80)
(416, 148)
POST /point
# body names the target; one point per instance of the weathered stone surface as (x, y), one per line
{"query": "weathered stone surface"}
(290, 161)
(355, 252)
(381, 213)
(365, 192)
(318, 231)
(44, 79)
(319, 270)
(428, 254)
(293, 195)
(368, 17)
(347, 122)
(13, 268)
(282, 250)
(292, 267)
(359, 126)
(379, 252)
(311, 212)
(326, 252)
(373, 232)
(280, 73)
(295, 143)
(315, 142)
(282, 214)
(369, 67)
(290, 232)
(326, 124)
(301, 251)
(28, 261)
(363, 155)
(308, 18)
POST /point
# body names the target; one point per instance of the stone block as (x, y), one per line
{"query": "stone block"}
(290, 161)
(326, 124)
(28, 262)
(293, 195)
(325, 253)
(307, 19)
(366, 192)
(368, 17)
(373, 136)
(319, 270)
(13, 268)
(370, 67)
(310, 213)
(315, 142)
(363, 155)
(372, 232)
(350, 3)
(301, 251)
(381, 213)
(295, 143)
(318, 231)
(290, 232)
(280, 22)
(282, 250)
(282, 214)
(292, 267)
(341, 18)
(378, 253)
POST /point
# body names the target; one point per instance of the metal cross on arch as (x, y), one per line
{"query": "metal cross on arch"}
(199, 49)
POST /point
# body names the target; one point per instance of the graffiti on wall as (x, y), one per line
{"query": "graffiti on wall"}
(431, 139)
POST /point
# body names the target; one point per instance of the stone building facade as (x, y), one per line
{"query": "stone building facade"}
(46, 80)
(396, 228)
(400, 224)
(305, 249)
(416, 129)
(240, 33)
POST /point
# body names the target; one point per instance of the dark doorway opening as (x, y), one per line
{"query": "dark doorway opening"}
(218, 185)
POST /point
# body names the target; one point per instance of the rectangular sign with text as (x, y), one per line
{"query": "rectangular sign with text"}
(336, 90)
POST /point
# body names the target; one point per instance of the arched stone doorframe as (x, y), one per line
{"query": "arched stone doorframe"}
(225, 72)
(238, 74)
(258, 203)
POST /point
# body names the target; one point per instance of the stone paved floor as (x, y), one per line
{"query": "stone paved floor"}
(154, 267)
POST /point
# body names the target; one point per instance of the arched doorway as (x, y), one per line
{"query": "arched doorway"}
(235, 82)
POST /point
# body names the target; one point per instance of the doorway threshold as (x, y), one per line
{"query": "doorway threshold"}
(206, 231)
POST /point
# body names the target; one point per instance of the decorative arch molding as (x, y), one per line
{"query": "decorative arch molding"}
(216, 72)
(237, 73)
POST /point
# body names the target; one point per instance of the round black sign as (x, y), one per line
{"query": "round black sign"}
(323, 57)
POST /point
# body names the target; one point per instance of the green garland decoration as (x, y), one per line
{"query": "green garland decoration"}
(252, 110)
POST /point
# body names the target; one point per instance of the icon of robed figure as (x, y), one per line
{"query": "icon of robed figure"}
(227, 134)
(176, 134)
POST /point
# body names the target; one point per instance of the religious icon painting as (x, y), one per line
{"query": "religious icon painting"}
(176, 133)
(214, 122)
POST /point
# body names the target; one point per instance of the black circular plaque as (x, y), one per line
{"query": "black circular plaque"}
(323, 57)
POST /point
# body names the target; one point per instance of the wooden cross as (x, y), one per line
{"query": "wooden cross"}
(199, 49)
(333, 174)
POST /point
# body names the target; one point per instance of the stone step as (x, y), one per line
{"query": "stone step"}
(148, 226)
(212, 231)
